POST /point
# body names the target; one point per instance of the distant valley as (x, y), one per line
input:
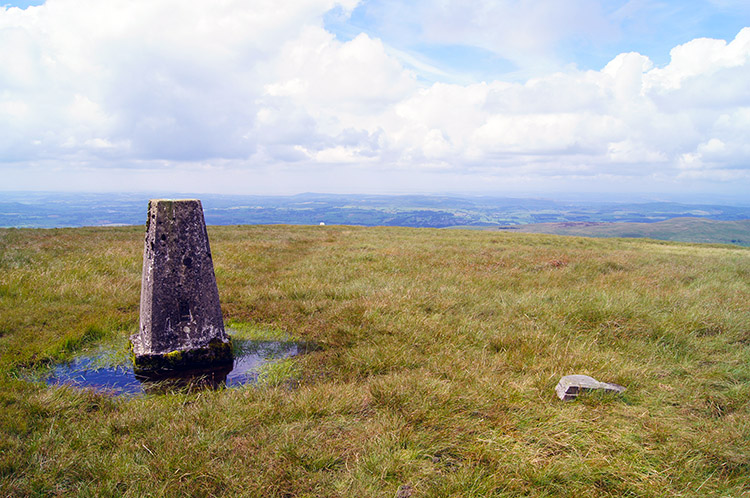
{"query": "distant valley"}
(659, 220)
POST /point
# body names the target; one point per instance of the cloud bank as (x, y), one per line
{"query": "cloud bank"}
(213, 94)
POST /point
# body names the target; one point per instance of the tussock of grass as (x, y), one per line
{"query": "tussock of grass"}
(255, 332)
(280, 372)
(440, 354)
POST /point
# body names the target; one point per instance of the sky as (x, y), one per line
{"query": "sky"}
(608, 97)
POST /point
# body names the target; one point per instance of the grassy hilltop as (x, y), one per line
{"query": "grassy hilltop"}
(677, 229)
(440, 353)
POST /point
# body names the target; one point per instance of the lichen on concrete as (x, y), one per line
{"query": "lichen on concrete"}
(215, 353)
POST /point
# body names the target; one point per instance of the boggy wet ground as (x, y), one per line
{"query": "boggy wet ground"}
(250, 356)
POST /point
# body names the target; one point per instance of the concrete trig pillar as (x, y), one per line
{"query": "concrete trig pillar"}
(181, 326)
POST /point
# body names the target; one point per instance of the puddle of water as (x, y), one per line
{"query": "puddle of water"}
(250, 356)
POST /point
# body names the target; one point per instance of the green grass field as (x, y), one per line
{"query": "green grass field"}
(440, 353)
(700, 230)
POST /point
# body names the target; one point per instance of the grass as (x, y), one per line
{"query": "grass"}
(701, 230)
(440, 351)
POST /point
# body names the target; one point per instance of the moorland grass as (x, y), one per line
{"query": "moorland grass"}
(440, 351)
(701, 230)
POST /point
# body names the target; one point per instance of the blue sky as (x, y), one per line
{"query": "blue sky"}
(650, 28)
(625, 96)
(23, 5)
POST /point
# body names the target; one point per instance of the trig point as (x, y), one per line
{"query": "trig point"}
(181, 325)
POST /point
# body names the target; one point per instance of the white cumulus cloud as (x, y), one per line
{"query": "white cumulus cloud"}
(242, 86)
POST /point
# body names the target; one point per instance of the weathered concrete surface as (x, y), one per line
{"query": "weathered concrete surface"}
(181, 324)
(571, 386)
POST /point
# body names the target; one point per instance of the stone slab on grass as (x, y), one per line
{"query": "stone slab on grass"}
(571, 386)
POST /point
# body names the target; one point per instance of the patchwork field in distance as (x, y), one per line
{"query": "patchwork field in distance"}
(439, 354)
(723, 224)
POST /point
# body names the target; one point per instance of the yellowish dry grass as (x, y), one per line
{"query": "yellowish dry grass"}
(440, 353)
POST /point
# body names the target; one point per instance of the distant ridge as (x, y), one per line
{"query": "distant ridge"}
(589, 218)
(687, 229)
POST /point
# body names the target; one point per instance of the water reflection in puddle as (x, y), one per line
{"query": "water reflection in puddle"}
(250, 356)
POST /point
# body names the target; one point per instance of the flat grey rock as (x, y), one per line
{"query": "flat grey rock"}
(571, 386)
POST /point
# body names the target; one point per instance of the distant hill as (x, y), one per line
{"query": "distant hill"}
(590, 218)
(59, 209)
(677, 229)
